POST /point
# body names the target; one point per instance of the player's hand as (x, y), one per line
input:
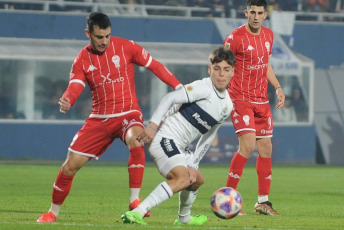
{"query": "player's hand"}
(147, 135)
(192, 175)
(280, 97)
(64, 104)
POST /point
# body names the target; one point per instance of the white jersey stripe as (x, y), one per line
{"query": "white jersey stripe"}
(149, 61)
(78, 81)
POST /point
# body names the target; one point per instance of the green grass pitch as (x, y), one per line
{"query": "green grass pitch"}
(307, 197)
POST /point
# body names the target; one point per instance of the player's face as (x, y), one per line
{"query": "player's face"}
(220, 74)
(100, 38)
(255, 17)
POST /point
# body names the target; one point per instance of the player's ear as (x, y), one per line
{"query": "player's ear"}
(265, 14)
(87, 33)
(209, 69)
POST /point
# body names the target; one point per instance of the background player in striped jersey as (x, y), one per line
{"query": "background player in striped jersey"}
(195, 110)
(107, 66)
(251, 117)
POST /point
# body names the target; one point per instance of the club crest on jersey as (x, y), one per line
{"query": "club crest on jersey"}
(116, 59)
(224, 111)
(267, 45)
(246, 119)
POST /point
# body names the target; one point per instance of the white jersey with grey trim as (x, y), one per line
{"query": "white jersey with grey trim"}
(196, 109)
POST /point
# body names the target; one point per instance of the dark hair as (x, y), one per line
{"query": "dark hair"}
(256, 3)
(222, 54)
(97, 19)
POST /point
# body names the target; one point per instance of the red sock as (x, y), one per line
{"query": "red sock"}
(136, 166)
(61, 188)
(235, 171)
(264, 175)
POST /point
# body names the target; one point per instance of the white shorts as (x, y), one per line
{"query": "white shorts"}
(167, 154)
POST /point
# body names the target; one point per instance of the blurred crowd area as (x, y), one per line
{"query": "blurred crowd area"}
(217, 8)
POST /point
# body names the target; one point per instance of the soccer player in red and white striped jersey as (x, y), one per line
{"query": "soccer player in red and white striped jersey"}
(106, 65)
(251, 116)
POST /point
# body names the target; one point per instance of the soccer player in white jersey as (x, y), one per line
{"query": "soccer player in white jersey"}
(196, 110)
(107, 66)
(251, 117)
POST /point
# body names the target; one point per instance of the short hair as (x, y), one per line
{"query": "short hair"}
(256, 3)
(97, 19)
(222, 54)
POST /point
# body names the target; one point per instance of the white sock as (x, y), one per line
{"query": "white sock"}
(55, 209)
(161, 193)
(186, 199)
(263, 198)
(134, 194)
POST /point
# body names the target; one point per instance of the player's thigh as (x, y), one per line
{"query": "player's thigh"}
(243, 118)
(73, 163)
(92, 139)
(263, 121)
(166, 154)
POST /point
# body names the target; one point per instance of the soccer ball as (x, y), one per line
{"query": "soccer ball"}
(226, 202)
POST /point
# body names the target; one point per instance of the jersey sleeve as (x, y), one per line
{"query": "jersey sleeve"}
(143, 58)
(189, 93)
(178, 96)
(230, 43)
(196, 90)
(77, 81)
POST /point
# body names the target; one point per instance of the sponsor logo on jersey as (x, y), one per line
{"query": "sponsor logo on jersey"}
(257, 67)
(116, 60)
(250, 48)
(200, 121)
(91, 68)
(108, 80)
(260, 59)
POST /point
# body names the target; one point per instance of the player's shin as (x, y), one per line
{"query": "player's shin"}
(136, 165)
(61, 189)
(236, 169)
(186, 199)
(264, 173)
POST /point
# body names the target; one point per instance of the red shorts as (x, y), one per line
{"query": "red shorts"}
(252, 118)
(97, 134)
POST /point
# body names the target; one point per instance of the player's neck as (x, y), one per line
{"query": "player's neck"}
(252, 30)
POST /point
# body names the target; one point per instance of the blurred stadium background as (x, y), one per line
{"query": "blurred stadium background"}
(40, 39)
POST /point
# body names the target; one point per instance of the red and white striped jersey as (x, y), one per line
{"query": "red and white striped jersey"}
(110, 76)
(252, 52)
